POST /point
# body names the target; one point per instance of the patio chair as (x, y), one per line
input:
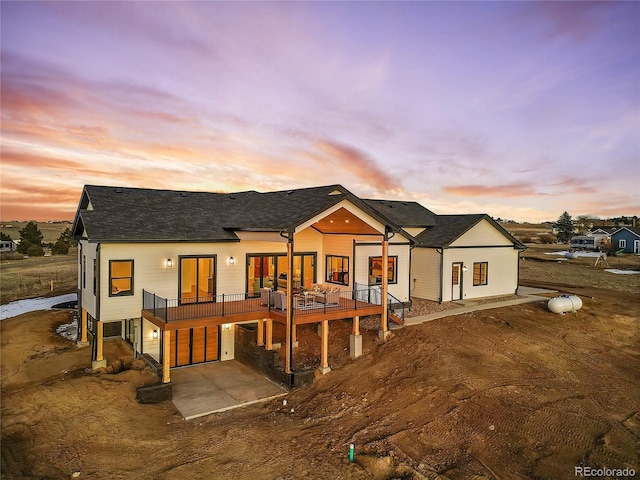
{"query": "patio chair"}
(266, 296)
(279, 300)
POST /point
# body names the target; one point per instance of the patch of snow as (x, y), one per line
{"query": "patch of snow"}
(577, 254)
(621, 272)
(68, 330)
(19, 307)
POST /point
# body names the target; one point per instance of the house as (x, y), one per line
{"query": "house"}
(173, 272)
(456, 257)
(7, 246)
(626, 239)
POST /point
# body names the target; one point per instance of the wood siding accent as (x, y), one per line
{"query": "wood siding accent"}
(212, 343)
(198, 354)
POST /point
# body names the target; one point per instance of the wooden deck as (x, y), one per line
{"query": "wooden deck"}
(217, 313)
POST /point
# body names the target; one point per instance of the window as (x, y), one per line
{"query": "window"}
(375, 270)
(622, 243)
(120, 278)
(337, 270)
(480, 273)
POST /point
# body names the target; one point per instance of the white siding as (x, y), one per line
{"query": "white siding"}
(150, 345)
(400, 290)
(88, 252)
(502, 271)
(414, 231)
(227, 346)
(425, 269)
(483, 233)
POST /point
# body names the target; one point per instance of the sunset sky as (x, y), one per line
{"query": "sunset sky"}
(519, 110)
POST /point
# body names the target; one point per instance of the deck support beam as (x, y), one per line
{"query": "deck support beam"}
(83, 341)
(99, 362)
(166, 355)
(269, 345)
(324, 358)
(260, 333)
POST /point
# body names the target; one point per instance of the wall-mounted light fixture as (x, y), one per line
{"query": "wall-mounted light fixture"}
(155, 334)
(232, 261)
(169, 263)
(226, 326)
(464, 268)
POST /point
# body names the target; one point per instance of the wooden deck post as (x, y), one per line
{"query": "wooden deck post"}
(269, 345)
(166, 356)
(83, 327)
(260, 333)
(99, 362)
(356, 325)
(324, 358)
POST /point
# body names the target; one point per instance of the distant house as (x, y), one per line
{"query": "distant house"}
(7, 246)
(626, 239)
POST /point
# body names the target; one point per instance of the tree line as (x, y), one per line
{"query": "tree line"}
(31, 241)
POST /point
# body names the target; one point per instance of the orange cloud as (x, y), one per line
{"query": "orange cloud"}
(358, 163)
(513, 190)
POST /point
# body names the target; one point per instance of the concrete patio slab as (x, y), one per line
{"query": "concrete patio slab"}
(215, 387)
(530, 295)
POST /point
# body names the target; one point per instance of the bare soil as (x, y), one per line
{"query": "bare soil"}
(508, 393)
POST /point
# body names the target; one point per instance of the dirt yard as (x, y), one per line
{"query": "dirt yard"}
(511, 393)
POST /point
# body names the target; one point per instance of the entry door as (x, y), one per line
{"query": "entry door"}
(456, 281)
(636, 246)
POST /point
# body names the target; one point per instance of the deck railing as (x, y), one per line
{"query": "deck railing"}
(224, 305)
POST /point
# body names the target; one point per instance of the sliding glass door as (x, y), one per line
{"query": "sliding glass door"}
(197, 279)
(270, 271)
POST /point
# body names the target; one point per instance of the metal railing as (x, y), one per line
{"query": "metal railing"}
(233, 304)
(373, 294)
(223, 305)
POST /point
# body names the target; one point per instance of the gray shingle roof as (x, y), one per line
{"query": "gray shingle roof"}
(146, 215)
(405, 214)
(450, 227)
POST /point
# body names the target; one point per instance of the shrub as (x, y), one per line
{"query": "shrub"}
(35, 251)
(547, 238)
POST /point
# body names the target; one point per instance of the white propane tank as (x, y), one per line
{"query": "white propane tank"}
(571, 255)
(564, 303)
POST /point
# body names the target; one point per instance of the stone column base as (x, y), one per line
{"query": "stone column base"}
(96, 364)
(355, 346)
(324, 370)
(82, 344)
(383, 336)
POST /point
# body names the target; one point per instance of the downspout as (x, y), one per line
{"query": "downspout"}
(520, 250)
(441, 252)
(384, 327)
(80, 295)
(288, 363)
(96, 280)
(411, 247)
